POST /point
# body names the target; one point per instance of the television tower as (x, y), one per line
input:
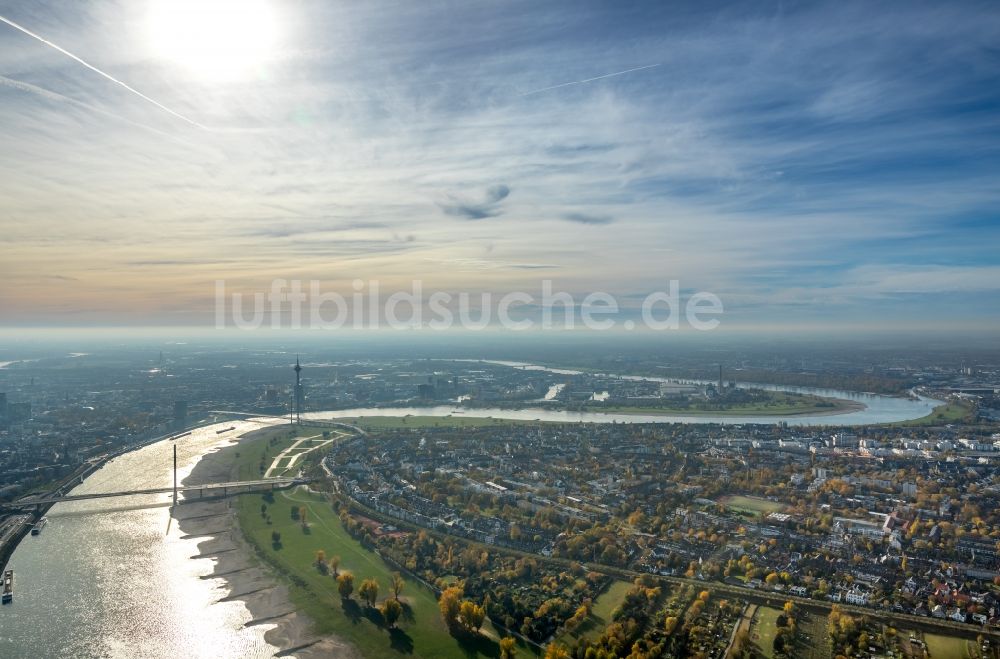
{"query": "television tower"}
(298, 390)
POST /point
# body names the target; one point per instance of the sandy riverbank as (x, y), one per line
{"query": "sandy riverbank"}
(265, 597)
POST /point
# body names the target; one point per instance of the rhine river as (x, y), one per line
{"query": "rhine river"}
(108, 578)
(115, 578)
(877, 409)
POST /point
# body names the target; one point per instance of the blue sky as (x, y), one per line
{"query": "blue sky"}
(810, 163)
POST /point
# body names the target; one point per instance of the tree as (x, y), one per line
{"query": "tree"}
(473, 615)
(396, 583)
(320, 561)
(369, 591)
(450, 606)
(556, 651)
(391, 612)
(345, 585)
(335, 565)
(508, 648)
(790, 608)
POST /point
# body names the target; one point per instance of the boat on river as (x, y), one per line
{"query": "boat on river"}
(8, 587)
(39, 525)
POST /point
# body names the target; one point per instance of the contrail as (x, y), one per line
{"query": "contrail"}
(580, 82)
(99, 72)
(55, 96)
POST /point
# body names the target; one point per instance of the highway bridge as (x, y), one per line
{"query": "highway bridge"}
(202, 491)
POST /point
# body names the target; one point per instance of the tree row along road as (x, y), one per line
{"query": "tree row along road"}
(905, 620)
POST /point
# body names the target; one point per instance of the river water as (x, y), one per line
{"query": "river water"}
(106, 578)
(877, 409)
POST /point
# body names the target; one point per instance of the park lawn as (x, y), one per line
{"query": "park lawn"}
(946, 647)
(600, 613)
(421, 632)
(942, 414)
(763, 629)
(609, 600)
(811, 638)
(750, 504)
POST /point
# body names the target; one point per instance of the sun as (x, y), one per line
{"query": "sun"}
(216, 40)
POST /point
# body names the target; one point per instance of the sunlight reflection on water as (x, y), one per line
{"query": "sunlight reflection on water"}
(106, 579)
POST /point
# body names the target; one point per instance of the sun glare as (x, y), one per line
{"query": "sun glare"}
(217, 40)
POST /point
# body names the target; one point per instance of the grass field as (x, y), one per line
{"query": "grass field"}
(750, 504)
(421, 632)
(811, 639)
(940, 415)
(946, 647)
(780, 404)
(600, 613)
(763, 629)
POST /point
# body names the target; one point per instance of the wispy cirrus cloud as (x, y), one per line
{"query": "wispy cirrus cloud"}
(770, 156)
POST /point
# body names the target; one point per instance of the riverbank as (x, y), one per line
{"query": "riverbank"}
(11, 541)
(836, 406)
(266, 599)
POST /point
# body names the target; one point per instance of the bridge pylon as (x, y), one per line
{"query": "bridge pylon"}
(175, 474)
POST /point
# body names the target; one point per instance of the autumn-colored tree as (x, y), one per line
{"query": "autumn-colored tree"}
(396, 583)
(369, 591)
(508, 648)
(450, 605)
(345, 585)
(556, 651)
(473, 615)
(391, 611)
(335, 565)
(320, 557)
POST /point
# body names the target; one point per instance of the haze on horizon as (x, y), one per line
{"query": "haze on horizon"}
(829, 165)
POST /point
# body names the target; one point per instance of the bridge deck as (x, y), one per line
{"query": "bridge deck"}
(272, 482)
